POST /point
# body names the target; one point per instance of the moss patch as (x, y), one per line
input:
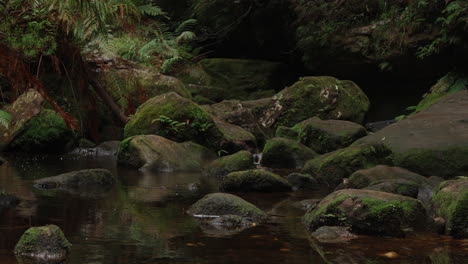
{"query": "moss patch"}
(286, 153)
(239, 161)
(254, 181)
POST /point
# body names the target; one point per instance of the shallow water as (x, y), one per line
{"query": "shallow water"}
(142, 220)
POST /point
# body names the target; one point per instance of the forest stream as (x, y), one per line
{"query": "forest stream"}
(142, 220)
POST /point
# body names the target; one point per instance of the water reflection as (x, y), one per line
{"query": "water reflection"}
(142, 220)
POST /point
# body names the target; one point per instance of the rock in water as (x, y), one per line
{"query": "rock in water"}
(254, 181)
(368, 212)
(46, 243)
(451, 203)
(242, 160)
(93, 178)
(286, 154)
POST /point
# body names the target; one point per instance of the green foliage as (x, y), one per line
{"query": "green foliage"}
(5, 118)
(183, 130)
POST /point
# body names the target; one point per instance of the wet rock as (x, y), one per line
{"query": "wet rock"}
(254, 181)
(286, 154)
(333, 234)
(27, 106)
(394, 180)
(306, 204)
(451, 203)
(302, 181)
(219, 204)
(83, 179)
(376, 126)
(8, 201)
(430, 142)
(324, 96)
(179, 119)
(108, 148)
(368, 212)
(242, 160)
(45, 132)
(47, 244)
(226, 212)
(333, 167)
(156, 153)
(324, 136)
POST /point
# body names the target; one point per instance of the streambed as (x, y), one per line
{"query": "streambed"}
(142, 220)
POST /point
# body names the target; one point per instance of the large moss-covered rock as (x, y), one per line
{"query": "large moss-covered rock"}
(160, 154)
(179, 119)
(451, 203)
(43, 244)
(394, 180)
(331, 168)
(93, 178)
(46, 132)
(326, 97)
(301, 181)
(27, 106)
(431, 142)
(219, 204)
(368, 212)
(324, 136)
(254, 181)
(242, 160)
(286, 153)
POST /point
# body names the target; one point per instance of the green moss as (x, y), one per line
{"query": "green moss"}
(286, 153)
(35, 237)
(328, 215)
(254, 181)
(239, 161)
(46, 132)
(333, 167)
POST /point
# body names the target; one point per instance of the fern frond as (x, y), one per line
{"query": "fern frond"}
(187, 25)
(185, 37)
(5, 118)
(151, 10)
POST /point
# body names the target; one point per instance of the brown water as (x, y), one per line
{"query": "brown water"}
(142, 220)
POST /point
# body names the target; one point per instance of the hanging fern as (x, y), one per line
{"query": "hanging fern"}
(5, 118)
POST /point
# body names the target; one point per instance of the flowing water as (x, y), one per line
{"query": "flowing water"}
(142, 220)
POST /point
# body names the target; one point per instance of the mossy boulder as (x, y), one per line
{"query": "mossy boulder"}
(324, 136)
(160, 154)
(394, 180)
(368, 212)
(219, 204)
(92, 178)
(326, 97)
(301, 181)
(451, 203)
(27, 106)
(254, 181)
(44, 244)
(432, 141)
(242, 160)
(286, 153)
(331, 168)
(46, 132)
(179, 119)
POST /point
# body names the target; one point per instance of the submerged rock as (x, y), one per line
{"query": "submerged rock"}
(254, 181)
(333, 234)
(431, 142)
(451, 203)
(286, 154)
(86, 179)
(156, 153)
(46, 243)
(179, 119)
(242, 160)
(27, 106)
(8, 201)
(324, 136)
(368, 212)
(333, 167)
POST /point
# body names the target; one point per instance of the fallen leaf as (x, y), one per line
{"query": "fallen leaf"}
(389, 255)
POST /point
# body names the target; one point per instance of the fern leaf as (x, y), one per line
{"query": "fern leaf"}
(5, 118)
